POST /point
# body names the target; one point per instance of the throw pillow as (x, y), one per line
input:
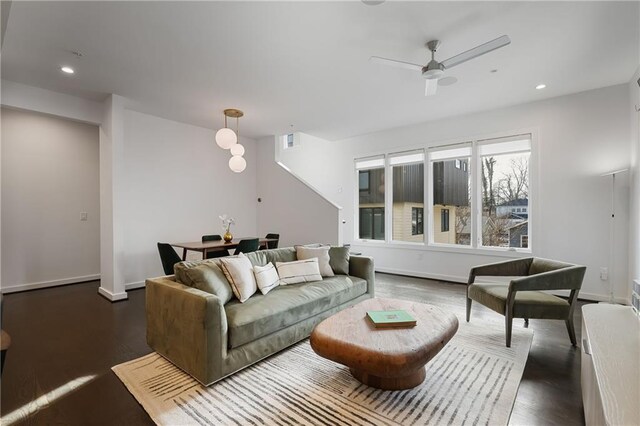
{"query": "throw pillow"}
(299, 271)
(239, 273)
(322, 253)
(266, 277)
(339, 260)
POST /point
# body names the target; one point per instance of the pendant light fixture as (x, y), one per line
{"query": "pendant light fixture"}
(228, 139)
(225, 137)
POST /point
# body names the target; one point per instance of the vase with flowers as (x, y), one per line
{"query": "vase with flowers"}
(226, 225)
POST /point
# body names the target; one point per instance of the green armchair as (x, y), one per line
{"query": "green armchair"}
(524, 296)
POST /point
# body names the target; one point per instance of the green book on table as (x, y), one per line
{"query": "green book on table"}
(391, 319)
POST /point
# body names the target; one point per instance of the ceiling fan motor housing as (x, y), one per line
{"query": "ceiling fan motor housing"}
(433, 70)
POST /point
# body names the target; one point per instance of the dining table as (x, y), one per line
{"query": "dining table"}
(211, 246)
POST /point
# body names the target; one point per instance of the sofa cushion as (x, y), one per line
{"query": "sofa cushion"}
(262, 315)
(204, 275)
(529, 304)
(262, 257)
(339, 260)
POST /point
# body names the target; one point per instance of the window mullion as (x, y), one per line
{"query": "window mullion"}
(388, 201)
(476, 197)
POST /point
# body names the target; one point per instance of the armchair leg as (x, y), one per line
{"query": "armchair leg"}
(526, 323)
(468, 309)
(508, 325)
(571, 329)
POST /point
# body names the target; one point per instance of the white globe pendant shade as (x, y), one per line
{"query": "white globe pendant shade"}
(237, 163)
(226, 138)
(237, 149)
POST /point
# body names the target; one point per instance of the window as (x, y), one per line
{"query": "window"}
(444, 220)
(371, 201)
(450, 216)
(407, 173)
(288, 141)
(417, 221)
(477, 195)
(504, 178)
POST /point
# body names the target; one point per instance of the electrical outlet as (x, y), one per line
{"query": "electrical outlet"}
(84, 216)
(604, 273)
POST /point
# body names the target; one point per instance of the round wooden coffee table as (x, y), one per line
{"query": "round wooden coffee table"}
(390, 359)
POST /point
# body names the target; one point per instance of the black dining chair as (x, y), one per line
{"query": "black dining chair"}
(217, 253)
(168, 256)
(247, 246)
(273, 244)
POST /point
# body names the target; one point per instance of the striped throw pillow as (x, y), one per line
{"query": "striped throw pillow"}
(299, 271)
(266, 277)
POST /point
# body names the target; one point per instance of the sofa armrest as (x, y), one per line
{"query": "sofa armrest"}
(569, 278)
(509, 268)
(187, 326)
(362, 267)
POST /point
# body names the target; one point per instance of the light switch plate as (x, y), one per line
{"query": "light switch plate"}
(84, 216)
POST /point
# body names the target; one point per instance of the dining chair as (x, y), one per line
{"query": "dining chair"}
(273, 244)
(247, 246)
(168, 256)
(217, 253)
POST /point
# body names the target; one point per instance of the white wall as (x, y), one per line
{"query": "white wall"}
(31, 98)
(50, 173)
(580, 136)
(289, 207)
(177, 183)
(634, 240)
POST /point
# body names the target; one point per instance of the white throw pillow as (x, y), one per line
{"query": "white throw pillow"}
(322, 253)
(299, 271)
(239, 273)
(266, 277)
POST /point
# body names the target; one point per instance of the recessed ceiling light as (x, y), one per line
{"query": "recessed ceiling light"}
(67, 70)
(541, 86)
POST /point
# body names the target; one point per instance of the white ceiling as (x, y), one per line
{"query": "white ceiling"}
(307, 64)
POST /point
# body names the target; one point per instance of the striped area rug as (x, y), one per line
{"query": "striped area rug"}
(473, 380)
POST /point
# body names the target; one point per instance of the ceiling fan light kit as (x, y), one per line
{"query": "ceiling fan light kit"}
(434, 70)
(226, 138)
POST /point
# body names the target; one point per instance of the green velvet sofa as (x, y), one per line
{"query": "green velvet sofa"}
(202, 329)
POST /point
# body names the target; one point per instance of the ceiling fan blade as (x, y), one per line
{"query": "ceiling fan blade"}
(394, 63)
(431, 87)
(477, 51)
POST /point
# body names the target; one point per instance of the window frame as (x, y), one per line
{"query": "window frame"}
(475, 188)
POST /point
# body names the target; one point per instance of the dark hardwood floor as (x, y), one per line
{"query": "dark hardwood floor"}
(63, 334)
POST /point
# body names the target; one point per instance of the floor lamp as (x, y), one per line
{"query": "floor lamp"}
(612, 229)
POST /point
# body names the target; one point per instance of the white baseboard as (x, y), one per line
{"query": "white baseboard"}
(133, 286)
(440, 277)
(53, 283)
(593, 297)
(113, 297)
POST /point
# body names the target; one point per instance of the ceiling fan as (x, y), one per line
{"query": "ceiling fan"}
(434, 70)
